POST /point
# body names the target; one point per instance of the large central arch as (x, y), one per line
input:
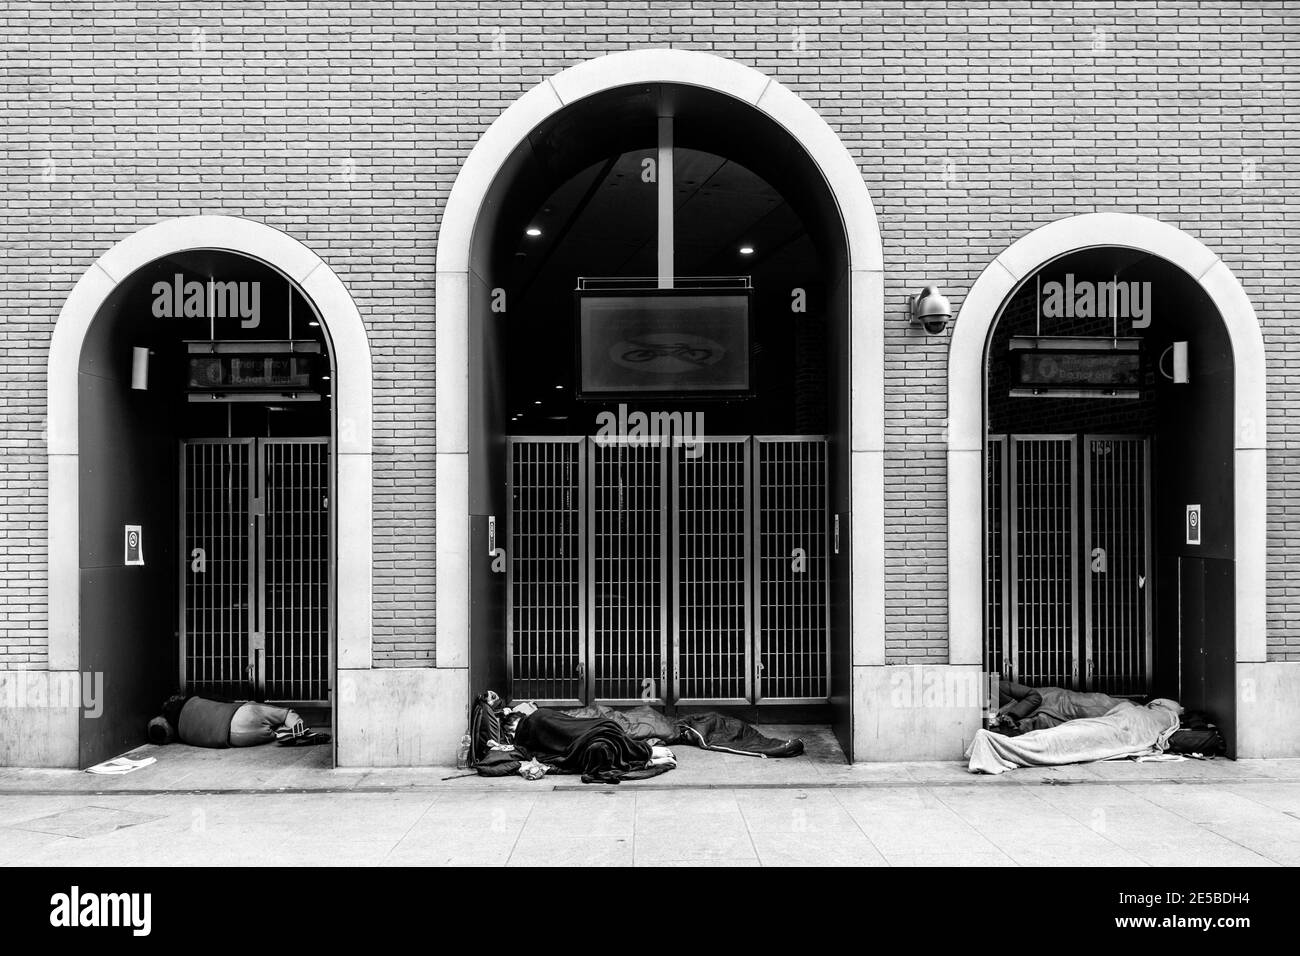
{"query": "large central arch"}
(866, 306)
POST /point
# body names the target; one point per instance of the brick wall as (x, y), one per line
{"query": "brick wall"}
(344, 123)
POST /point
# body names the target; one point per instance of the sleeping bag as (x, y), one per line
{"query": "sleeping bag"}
(732, 735)
(1126, 730)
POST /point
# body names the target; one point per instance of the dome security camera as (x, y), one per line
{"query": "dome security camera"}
(931, 310)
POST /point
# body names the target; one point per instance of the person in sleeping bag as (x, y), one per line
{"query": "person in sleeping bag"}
(1036, 708)
(201, 722)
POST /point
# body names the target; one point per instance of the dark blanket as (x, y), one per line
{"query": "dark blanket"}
(731, 735)
(596, 747)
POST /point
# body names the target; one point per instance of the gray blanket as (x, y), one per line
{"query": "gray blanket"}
(641, 723)
(1126, 730)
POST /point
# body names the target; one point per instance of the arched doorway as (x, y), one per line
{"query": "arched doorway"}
(607, 99)
(1067, 427)
(277, 439)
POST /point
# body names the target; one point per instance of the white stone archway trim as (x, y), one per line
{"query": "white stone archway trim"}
(866, 310)
(979, 312)
(352, 395)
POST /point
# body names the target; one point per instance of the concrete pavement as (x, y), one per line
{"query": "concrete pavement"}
(275, 807)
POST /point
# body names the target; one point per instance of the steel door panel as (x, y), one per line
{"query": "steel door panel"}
(711, 557)
(546, 571)
(1043, 553)
(216, 616)
(627, 571)
(1117, 601)
(293, 544)
(791, 619)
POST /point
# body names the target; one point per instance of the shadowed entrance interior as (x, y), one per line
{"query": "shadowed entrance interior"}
(695, 572)
(1109, 518)
(205, 422)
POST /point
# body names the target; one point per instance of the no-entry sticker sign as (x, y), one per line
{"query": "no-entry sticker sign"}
(133, 543)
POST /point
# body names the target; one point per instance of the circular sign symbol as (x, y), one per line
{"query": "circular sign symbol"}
(133, 539)
(1194, 518)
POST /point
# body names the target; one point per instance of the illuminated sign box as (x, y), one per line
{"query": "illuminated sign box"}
(684, 342)
(1061, 367)
(248, 371)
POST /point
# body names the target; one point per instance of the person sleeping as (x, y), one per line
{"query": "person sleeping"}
(1126, 730)
(1023, 708)
(201, 722)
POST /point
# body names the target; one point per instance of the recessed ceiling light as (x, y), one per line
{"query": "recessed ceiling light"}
(746, 250)
(537, 403)
(314, 325)
(532, 231)
(324, 378)
(559, 387)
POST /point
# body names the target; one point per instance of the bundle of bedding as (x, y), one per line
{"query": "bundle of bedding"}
(602, 744)
(1126, 730)
(708, 731)
(597, 747)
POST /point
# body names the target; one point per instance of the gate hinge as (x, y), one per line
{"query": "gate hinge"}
(257, 506)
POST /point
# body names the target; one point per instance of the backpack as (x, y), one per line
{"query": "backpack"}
(1207, 742)
(484, 725)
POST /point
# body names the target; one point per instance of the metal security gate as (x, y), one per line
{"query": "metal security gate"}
(547, 570)
(1067, 601)
(793, 597)
(712, 611)
(692, 572)
(255, 576)
(627, 573)
(1043, 559)
(1117, 533)
(217, 620)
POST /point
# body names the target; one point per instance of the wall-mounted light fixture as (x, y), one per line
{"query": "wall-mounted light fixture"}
(140, 368)
(930, 310)
(1180, 374)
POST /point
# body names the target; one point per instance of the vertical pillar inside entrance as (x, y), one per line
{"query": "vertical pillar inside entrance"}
(664, 179)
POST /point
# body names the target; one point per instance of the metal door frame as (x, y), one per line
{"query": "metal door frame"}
(254, 586)
(580, 489)
(1148, 638)
(1007, 668)
(758, 696)
(748, 586)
